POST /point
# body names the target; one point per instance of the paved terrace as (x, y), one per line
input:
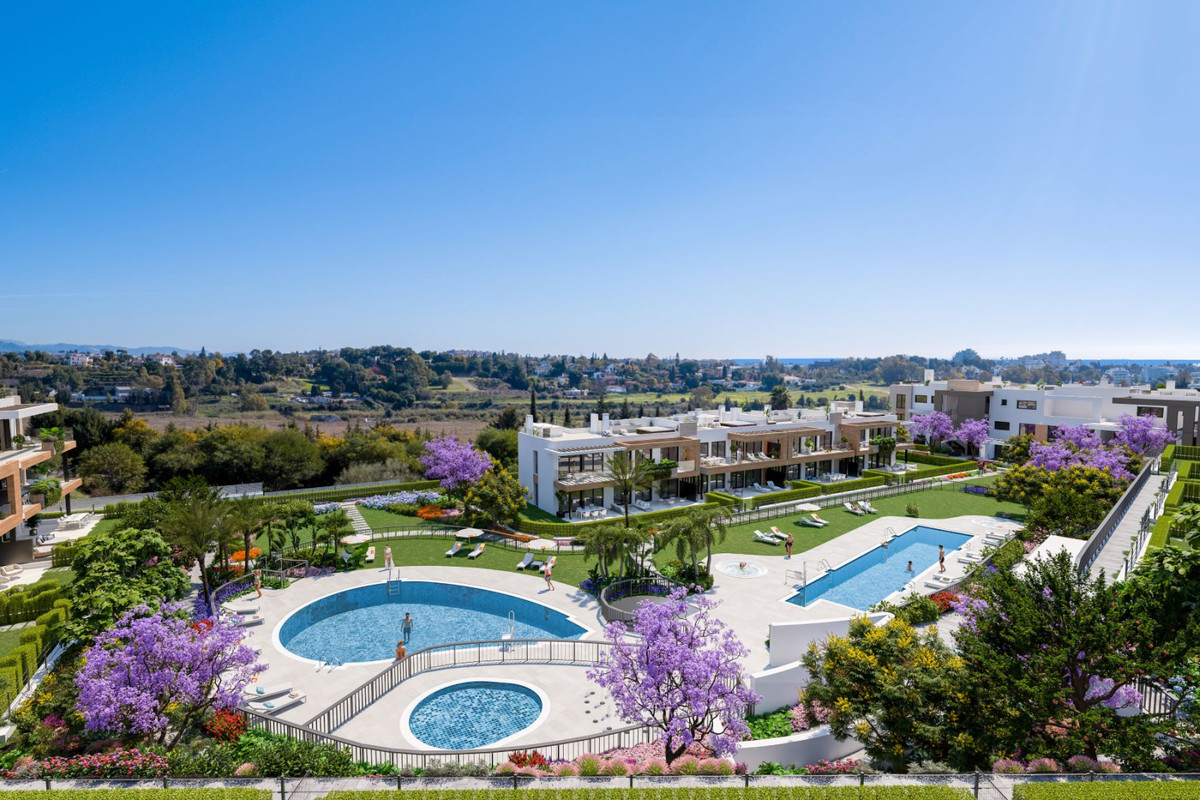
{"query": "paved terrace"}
(749, 605)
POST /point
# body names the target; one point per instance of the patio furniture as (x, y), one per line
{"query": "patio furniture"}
(238, 608)
(853, 509)
(810, 523)
(779, 534)
(478, 551)
(262, 691)
(938, 581)
(822, 522)
(453, 551)
(275, 706)
(762, 537)
(771, 485)
(371, 554)
(865, 506)
(246, 622)
(526, 561)
(11, 570)
(970, 557)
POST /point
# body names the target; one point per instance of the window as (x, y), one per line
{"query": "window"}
(1003, 401)
(1027, 405)
(1152, 410)
(1002, 426)
(921, 398)
(535, 462)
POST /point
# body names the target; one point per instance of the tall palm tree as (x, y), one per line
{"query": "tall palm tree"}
(629, 474)
(335, 524)
(197, 520)
(247, 517)
(694, 530)
(599, 542)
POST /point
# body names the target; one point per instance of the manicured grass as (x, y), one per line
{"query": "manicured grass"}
(933, 504)
(9, 639)
(105, 525)
(379, 518)
(63, 575)
(409, 551)
(684, 793)
(1109, 790)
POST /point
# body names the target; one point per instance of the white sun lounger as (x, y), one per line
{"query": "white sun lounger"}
(453, 551)
(478, 551)
(771, 485)
(780, 535)
(246, 621)
(970, 557)
(819, 521)
(762, 537)
(853, 509)
(275, 706)
(810, 523)
(526, 561)
(867, 507)
(938, 581)
(371, 554)
(262, 691)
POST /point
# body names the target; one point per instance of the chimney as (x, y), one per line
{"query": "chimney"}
(1170, 385)
(604, 425)
(594, 424)
(529, 423)
(928, 375)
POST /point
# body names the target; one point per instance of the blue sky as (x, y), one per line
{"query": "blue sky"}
(717, 179)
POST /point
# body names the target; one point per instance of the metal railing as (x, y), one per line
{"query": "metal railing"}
(652, 585)
(519, 651)
(1108, 526)
(512, 651)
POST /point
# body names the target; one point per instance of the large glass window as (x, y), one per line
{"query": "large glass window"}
(1027, 405)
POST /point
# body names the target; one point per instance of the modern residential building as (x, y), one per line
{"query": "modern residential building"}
(20, 451)
(1014, 409)
(566, 469)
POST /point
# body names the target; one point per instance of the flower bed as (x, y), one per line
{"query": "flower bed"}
(118, 763)
(380, 502)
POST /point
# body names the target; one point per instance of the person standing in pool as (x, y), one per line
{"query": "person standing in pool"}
(941, 558)
(787, 545)
(910, 568)
(407, 626)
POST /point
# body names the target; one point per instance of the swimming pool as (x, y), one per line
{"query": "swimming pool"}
(364, 623)
(473, 714)
(871, 577)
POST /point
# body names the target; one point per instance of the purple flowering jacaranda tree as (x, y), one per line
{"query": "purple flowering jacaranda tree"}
(1144, 434)
(934, 426)
(972, 434)
(456, 464)
(683, 674)
(155, 672)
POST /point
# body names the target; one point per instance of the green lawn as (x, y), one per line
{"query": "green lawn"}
(382, 518)
(9, 639)
(933, 504)
(420, 552)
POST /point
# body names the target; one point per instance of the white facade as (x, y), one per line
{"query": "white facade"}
(735, 451)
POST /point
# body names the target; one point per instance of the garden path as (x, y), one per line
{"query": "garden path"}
(356, 517)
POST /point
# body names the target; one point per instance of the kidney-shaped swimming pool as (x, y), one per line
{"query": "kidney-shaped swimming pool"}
(364, 624)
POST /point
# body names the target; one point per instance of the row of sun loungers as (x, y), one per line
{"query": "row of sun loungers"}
(453, 551)
(529, 563)
(271, 699)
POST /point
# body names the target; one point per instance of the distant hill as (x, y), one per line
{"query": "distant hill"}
(12, 346)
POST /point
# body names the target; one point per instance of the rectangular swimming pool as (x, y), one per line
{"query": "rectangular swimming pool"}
(871, 577)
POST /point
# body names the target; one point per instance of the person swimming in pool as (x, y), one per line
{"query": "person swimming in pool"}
(910, 567)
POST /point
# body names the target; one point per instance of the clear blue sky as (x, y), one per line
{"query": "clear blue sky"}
(718, 179)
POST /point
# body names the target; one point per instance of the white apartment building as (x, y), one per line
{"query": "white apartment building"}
(1013, 409)
(565, 469)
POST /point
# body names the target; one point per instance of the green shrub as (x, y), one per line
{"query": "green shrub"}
(1183, 492)
(786, 496)
(940, 461)
(912, 510)
(1161, 533)
(852, 485)
(1108, 790)
(722, 499)
(804, 485)
(36, 636)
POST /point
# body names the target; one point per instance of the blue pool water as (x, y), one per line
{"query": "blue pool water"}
(364, 624)
(872, 576)
(475, 714)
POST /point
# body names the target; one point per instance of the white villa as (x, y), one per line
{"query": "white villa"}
(734, 451)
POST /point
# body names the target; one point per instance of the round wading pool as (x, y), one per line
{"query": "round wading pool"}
(473, 714)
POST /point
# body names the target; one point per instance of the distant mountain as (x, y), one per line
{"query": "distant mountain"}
(12, 346)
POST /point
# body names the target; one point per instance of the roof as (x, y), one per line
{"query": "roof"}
(780, 430)
(648, 441)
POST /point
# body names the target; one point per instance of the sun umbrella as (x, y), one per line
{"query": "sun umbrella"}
(808, 507)
(540, 544)
(357, 538)
(469, 533)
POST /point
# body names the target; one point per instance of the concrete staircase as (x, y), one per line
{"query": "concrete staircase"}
(356, 517)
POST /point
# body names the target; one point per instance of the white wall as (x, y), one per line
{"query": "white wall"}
(790, 640)
(806, 747)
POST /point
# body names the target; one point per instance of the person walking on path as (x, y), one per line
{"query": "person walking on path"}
(407, 626)
(387, 557)
(258, 581)
(941, 558)
(547, 576)
(788, 545)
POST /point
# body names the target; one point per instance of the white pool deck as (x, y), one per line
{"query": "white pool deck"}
(748, 605)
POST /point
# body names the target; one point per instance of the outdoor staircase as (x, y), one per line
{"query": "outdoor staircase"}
(356, 517)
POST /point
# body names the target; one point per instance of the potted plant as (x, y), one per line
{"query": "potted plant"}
(561, 497)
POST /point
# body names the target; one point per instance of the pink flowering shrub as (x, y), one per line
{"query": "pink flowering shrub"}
(715, 766)
(117, 763)
(1043, 765)
(1008, 766)
(615, 767)
(656, 766)
(685, 765)
(247, 770)
(843, 766)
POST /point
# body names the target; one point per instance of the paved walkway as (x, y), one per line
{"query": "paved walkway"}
(356, 517)
(1112, 556)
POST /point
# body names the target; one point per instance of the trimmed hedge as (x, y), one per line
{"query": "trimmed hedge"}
(1184, 452)
(670, 793)
(1161, 534)
(1168, 454)
(804, 484)
(938, 461)
(141, 794)
(1109, 790)
(526, 525)
(1183, 492)
(786, 496)
(722, 499)
(1189, 470)
(851, 486)
(25, 603)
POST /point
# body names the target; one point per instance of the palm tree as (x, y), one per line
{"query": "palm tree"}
(335, 524)
(197, 519)
(629, 475)
(599, 542)
(693, 530)
(247, 518)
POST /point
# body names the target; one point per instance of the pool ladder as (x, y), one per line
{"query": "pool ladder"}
(393, 586)
(512, 627)
(331, 662)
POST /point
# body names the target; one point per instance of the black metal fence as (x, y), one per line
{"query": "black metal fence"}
(653, 585)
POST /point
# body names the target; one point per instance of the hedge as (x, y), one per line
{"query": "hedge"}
(926, 472)
(141, 794)
(786, 496)
(1189, 470)
(1109, 790)
(851, 486)
(804, 484)
(1185, 452)
(62, 555)
(722, 499)
(25, 603)
(938, 461)
(1161, 533)
(330, 495)
(670, 793)
(1168, 454)
(1183, 492)
(526, 525)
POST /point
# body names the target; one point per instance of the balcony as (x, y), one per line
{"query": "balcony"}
(579, 480)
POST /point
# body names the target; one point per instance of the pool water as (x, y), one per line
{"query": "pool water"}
(474, 714)
(871, 577)
(364, 624)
